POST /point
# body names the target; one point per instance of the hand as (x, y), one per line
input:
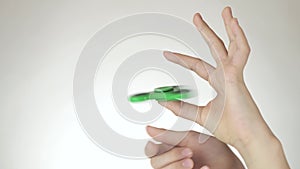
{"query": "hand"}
(232, 116)
(188, 153)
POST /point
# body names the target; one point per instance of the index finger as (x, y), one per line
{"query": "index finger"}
(197, 65)
(175, 138)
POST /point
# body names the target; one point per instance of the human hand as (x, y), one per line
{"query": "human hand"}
(232, 116)
(188, 153)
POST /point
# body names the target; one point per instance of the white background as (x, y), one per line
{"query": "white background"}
(40, 42)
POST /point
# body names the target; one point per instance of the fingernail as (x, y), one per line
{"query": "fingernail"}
(187, 163)
(204, 167)
(186, 152)
(197, 20)
(149, 128)
(199, 16)
(170, 56)
(229, 8)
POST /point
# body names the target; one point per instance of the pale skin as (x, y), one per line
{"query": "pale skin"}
(240, 125)
(188, 153)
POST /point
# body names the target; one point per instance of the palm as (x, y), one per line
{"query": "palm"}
(233, 103)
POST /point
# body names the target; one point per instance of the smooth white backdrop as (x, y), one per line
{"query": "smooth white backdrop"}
(40, 42)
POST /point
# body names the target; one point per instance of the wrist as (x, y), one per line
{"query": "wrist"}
(250, 145)
(264, 151)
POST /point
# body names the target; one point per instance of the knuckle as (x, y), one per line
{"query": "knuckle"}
(245, 49)
(249, 49)
(175, 153)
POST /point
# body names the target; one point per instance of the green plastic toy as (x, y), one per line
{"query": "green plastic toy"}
(166, 93)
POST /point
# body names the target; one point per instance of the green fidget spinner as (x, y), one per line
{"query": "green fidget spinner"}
(166, 93)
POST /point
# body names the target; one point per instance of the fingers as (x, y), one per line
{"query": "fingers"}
(235, 33)
(238, 42)
(152, 149)
(182, 164)
(172, 156)
(186, 110)
(177, 157)
(227, 18)
(175, 138)
(215, 44)
(239, 35)
(197, 65)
